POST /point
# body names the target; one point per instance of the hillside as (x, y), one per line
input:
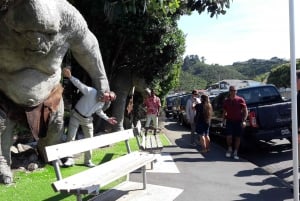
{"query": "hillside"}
(197, 74)
(255, 67)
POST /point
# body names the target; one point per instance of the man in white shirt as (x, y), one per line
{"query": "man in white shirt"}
(191, 112)
(82, 113)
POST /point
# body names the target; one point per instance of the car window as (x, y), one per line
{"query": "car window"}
(184, 99)
(259, 94)
(247, 95)
(170, 101)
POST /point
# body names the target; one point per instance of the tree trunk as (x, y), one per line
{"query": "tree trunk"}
(122, 86)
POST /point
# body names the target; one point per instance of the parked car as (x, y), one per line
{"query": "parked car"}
(172, 103)
(182, 117)
(211, 97)
(269, 116)
(169, 105)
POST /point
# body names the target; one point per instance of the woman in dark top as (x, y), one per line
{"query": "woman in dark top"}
(202, 120)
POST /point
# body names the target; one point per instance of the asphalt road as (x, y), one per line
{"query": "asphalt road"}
(275, 156)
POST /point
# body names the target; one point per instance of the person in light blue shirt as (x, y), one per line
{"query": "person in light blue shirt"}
(82, 113)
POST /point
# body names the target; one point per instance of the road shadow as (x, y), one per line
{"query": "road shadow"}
(175, 126)
(272, 187)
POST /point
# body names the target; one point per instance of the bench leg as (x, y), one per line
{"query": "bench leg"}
(143, 141)
(144, 177)
(57, 169)
(152, 165)
(78, 197)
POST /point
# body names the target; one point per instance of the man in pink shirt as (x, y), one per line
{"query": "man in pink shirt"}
(153, 104)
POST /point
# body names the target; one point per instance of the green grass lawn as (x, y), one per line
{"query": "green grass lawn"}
(36, 186)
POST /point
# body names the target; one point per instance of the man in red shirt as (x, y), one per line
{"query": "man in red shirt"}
(235, 113)
(152, 103)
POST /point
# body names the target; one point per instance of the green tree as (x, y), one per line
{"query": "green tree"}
(190, 60)
(280, 76)
(114, 8)
(134, 45)
(143, 35)
(142, 39)
(189, 81)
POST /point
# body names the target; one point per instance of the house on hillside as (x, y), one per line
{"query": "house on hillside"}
(224, 85)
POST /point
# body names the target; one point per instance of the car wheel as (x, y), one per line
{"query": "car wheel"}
(181, 121)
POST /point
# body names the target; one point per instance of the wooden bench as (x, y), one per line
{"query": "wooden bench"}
(91, 180)
(149, 142)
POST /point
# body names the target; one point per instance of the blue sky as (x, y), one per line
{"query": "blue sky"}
(250, 29)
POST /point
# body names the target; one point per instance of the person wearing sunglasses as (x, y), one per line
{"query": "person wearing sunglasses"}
(82, 113)
(235, 113)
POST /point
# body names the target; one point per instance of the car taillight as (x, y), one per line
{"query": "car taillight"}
(252, 119)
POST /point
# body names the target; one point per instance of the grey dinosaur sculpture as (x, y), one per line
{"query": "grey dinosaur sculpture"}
(34, 38)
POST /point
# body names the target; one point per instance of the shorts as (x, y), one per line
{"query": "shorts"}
(234, 128)
(153, 118)
(202, 129)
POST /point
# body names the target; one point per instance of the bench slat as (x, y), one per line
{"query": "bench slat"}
(103, 174)
(66, 149)
(152, 142)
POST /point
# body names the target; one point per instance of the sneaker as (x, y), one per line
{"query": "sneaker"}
(90, 164)
(193, 144)
(228, 154)
(69, 162)
(236, 157)
(203, 151)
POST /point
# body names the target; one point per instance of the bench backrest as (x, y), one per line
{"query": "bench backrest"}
(66, 149)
